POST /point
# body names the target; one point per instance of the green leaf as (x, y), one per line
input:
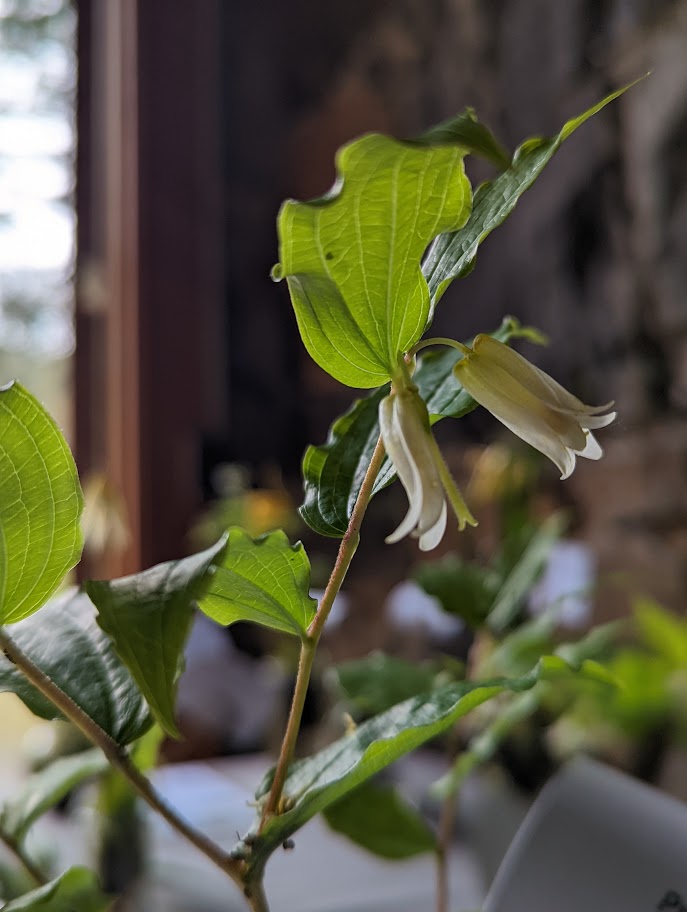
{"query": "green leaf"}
(453, 254)
(464, 589)
(662, 631)
(266, 581)
(521, 647)
(145, 751)
(44, 790)
(318, 781)
(65, 642)
(352, 257)
(525, 574)
(148, 617)
(466, 130)
(334, 472)
(484, 745)
(76, 890)
(40, 505)
(379, 681)
(376, 818)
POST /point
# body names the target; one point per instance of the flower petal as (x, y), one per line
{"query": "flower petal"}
(538, 382)
(413, 423)
(407, 471)
(520, 411)
(431, 538)
(592, 450)
(598, 421)
(455, 498)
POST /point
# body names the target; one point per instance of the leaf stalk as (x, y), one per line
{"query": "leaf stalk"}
(347, 549)
(17, 849)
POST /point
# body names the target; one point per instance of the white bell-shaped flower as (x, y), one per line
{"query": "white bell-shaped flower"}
(530, 403)
(409, 443)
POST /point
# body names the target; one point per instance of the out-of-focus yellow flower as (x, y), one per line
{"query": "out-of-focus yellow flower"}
(530, 403)
(404, 424)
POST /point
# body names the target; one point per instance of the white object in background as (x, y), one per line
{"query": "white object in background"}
(230, 694)
(339, 610)
(565, 584)
(596, 840)
(409, 606)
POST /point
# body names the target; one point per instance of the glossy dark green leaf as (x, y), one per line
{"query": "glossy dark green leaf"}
(375, 683)
(266, 581)
(317, 782)
(45, 789)
(40, 505)
(66, 643)
(334, 472)
(352, 258)
(76, 890)
(453, 254)
(148, 617)
(378, 819)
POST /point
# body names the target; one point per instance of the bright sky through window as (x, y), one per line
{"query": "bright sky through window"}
(37, 141)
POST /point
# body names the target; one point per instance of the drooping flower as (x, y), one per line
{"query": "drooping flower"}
(409, 443)
(531, 404)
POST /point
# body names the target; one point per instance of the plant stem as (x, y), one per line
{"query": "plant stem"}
(441, 340)
(118, 758)
(447, 821)
(481, 749)
(347, 549)
(256, 898)
(18, 851)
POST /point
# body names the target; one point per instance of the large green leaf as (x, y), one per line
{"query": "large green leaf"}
(453, 254)
(334, 472)
(40, 505)
(76, 890)
(65, 642)
(148, 617)
(318, 781)
(47, 788)
(376, 818)
(352, 257)
(266, 581)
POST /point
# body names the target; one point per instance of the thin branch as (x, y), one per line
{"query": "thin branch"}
(447, 822)
(347, 549)
(255, 895)
(481, 749)
(118, 758)
(19, 853)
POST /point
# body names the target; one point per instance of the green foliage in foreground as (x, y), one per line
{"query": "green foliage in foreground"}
(76, 890)
(40, 505)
